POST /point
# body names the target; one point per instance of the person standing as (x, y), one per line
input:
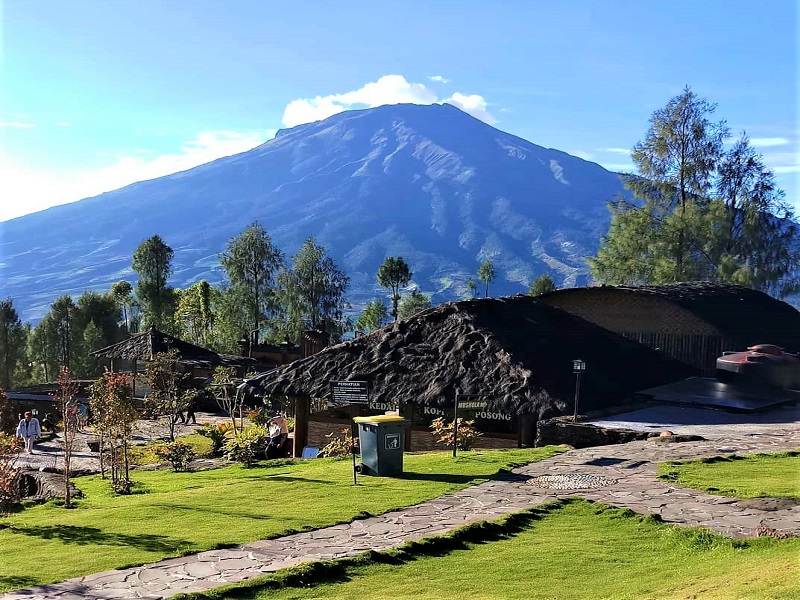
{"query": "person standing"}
(29, 430)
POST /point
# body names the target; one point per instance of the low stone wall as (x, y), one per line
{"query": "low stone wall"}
(562, 430)
(421, 440)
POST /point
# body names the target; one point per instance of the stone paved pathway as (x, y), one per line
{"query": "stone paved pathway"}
(629, 470)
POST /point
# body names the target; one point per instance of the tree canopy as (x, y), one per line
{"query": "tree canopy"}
(394, 274)
(486, 275)
(152, 261)
(413, 303)
(252, 262)
(313, 293)
(699, 211)
(543, 284)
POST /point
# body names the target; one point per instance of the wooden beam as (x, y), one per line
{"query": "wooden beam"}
(302, 407)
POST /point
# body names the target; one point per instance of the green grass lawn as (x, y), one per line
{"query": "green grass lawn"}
(177, 513)
(145, 455)
(740, 476)
(578, 551)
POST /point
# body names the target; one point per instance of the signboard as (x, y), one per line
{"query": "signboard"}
(384, 406)
(482, 414)
(464, 403)
(350, 392)
(392, 441)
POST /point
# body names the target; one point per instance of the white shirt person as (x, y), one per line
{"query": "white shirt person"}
(29, 430)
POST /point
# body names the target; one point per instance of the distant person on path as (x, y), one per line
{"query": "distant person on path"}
(278, 432)
(29, 430)
(190, 408)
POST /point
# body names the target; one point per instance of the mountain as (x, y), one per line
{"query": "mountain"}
(430, 183)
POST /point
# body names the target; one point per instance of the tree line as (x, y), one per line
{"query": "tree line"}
(698, 208)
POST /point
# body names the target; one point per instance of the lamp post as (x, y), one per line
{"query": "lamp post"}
(578, 367)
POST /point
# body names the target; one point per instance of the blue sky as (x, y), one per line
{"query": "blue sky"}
(95, 95)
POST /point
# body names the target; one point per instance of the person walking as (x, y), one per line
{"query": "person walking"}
(29, 430)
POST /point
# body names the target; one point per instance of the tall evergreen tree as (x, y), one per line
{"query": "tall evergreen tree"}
(486, 275)
(194, 314)
(252, 262)
(699, 213)
(152, 261)
(313, 292)
(394, 274)
(122, 291)
(12, 342)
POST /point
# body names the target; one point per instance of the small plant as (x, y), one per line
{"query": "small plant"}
(217, 434)
(247, 445)
(179, 454)
(340, 444)
(443, 432)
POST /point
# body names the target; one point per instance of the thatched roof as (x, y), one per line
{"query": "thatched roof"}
(516, 351)
(143, 346)
(736, 311)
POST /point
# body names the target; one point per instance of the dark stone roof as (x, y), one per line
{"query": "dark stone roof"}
(735, 311)
(142, 346)
(516, 351)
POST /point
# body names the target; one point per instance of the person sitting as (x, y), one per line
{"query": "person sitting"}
(279, 432)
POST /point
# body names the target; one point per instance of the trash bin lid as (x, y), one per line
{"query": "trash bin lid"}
(378, 419)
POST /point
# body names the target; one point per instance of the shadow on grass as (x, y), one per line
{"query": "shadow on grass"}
(73, 534)
(13, 582)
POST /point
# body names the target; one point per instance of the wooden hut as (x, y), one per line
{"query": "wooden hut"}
(141, 347)
(516, 353)
(693, 322)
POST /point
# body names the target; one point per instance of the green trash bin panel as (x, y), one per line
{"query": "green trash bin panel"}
(382, 442)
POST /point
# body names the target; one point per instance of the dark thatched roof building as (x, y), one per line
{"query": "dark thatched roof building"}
(517, 352)
(693, 322)
(143, 346)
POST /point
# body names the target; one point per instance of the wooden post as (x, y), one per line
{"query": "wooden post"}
(301, 414)
(133, 378)
(410, 416)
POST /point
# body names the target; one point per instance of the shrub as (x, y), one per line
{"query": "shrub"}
(443, 432)
(10, 447)
(246, 446)
(217, 434)
(340, 444)
(179, 454)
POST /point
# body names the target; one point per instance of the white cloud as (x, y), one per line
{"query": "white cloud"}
(625, 151)
(17, 124)
(388, 89)
(438, 78)
(619, 167)
(780, 170)
(582, 154)
(768, 142)
(31, 189)
(472, 104)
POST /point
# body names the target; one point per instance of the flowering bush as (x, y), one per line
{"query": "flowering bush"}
(179, 454)
(217, 434)
(10, 447)
(443, 432)
(246, 446)
(340, 444)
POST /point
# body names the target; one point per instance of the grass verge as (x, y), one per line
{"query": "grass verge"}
(751, 476)
(573, 549)
(180, 513)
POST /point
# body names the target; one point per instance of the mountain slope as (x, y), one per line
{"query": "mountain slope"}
(430, 183)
